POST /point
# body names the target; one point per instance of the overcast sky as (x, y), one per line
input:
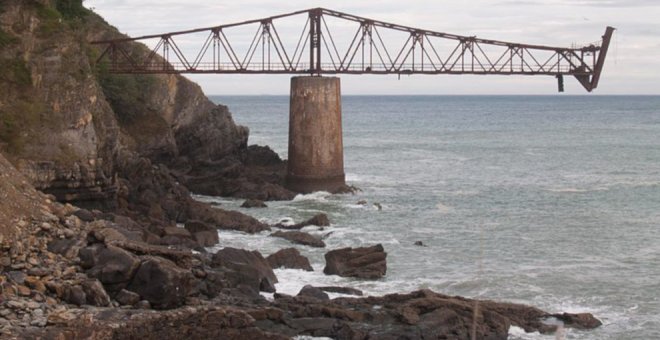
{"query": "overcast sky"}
(632, 67)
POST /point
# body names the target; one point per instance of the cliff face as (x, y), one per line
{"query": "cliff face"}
(54, 123)
(68, 125)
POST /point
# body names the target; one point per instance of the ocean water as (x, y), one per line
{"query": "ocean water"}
(551, 201)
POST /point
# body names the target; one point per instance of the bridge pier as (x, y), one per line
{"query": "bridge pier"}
(316, 150)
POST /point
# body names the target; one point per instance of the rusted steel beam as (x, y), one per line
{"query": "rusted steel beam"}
(367, 52)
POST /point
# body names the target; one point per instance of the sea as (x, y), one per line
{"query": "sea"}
(550, 201)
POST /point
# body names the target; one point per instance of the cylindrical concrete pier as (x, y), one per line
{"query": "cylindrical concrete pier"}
(316, 150)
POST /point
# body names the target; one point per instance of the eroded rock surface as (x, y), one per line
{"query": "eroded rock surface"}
(364, 262)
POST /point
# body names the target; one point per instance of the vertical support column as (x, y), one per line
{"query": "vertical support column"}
(316, 150)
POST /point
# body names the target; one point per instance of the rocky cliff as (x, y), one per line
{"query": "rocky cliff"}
(70, 126)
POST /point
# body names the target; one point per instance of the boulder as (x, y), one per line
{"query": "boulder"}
(289, 258)
(204, 234)
(253, 203)
(320, 220)
(249, 266)
(300, 237)
(162, 283)
(364, 263)
(313, 292)
(113, 265)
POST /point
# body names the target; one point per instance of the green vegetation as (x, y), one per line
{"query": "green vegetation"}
(15, 71)
(71, 9)
(7, 39)
(16, 123)
(126, 93)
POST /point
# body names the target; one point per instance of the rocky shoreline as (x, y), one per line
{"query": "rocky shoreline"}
(75, 274)
(100, 237)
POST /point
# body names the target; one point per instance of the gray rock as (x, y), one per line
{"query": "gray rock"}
(313, 292)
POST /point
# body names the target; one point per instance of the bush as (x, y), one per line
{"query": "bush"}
(71, 9)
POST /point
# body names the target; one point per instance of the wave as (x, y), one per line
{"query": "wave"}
(320, 196)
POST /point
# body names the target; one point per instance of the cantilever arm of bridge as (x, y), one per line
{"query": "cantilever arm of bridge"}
(332, 42)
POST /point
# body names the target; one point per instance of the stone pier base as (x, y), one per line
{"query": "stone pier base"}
(316, 150)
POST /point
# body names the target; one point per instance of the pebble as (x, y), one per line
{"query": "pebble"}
(23, 291)
(33, 305)
(16, 304)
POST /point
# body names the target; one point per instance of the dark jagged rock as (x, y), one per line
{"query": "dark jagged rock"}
(256, 172)
(580, 320)
(320, 220)
(365, 262)
(250, 265)
(313, 292)
(221, 219)
(300, 237)
(289, 258)
(203, 233)
(253, 203)
(341, 290)
(161, 282)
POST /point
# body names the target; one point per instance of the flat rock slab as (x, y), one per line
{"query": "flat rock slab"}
(300, 237)
(364, 263)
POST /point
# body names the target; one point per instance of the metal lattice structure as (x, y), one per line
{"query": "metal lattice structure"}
(375, 47)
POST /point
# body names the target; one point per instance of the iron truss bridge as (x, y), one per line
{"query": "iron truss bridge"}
(332, 42)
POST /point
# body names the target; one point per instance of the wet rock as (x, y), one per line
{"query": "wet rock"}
(204, 234)
(300, 237)
(127, 298)
(580, 320)
(161, 282)
(95, 293)
(289, 258)
(420, 244)
(341, 290)
(250, 267)
(253, 203)
(364, 263)
(320, 220)
(313, 292)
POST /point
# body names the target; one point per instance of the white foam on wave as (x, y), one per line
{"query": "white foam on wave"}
(517, 333)
(315, 196)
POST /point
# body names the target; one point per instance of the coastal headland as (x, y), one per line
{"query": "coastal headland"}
(100, 237)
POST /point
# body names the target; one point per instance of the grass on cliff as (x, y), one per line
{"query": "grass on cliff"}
(7, 39)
